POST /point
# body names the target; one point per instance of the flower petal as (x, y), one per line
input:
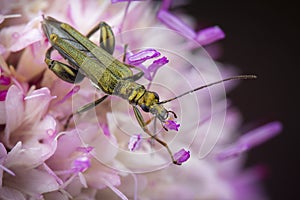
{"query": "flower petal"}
(14, 106)
(250, 140)
(36, 104)
(172, 125)
(134, 142)
(209, 35)
(3, 94)
(176, 24)
(16, 38)
(181, 156)
(81, 164)
(142, 56)
(118, 1)
(10, 193)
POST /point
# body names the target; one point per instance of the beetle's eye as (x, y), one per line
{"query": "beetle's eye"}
(145, 108)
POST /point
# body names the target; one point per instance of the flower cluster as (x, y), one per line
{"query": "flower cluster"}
(103, 152)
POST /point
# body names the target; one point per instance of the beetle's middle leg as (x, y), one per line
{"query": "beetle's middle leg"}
(84, 108)
(143, 125)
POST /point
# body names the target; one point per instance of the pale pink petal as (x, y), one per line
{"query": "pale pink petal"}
(33, 182)
(115, 190)
(68, 144)
(97, 173)
(3, 17)
(37, 103)
(3, 155)
(10, 193)
(18, 37)
(37, 148)
(14, 105)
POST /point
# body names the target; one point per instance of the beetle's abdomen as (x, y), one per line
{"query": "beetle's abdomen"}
(129, 90)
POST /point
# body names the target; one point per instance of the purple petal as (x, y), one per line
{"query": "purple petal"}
(209, 35)
(172, 125)
(142, 56)
(81, 164)
(118, 1)
(176, 24)
(70, 94)
(166, 4)
(4, 80)
(134, 142)
(105, 129)
(85, 149)
(250, 140)
(261, 134)
(3, 94)
(181, 156)
(157, 64)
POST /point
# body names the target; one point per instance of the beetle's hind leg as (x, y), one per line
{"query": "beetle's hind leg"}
(143, 125)
(62, 70)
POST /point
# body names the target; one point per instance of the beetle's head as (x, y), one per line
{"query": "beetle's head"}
(150, 103)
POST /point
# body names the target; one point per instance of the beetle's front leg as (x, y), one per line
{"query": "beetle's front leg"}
(62, 70)
(143, 125)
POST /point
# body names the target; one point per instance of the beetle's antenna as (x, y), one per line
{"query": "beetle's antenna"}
(243, 77)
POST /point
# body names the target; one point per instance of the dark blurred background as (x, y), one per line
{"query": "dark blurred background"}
(262, 38)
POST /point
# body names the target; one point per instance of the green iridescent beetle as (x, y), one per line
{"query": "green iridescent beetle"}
(107, 73)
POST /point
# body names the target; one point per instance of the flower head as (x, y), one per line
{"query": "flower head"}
(42, 158)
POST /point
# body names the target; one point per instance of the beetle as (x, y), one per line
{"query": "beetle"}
(106, 73)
